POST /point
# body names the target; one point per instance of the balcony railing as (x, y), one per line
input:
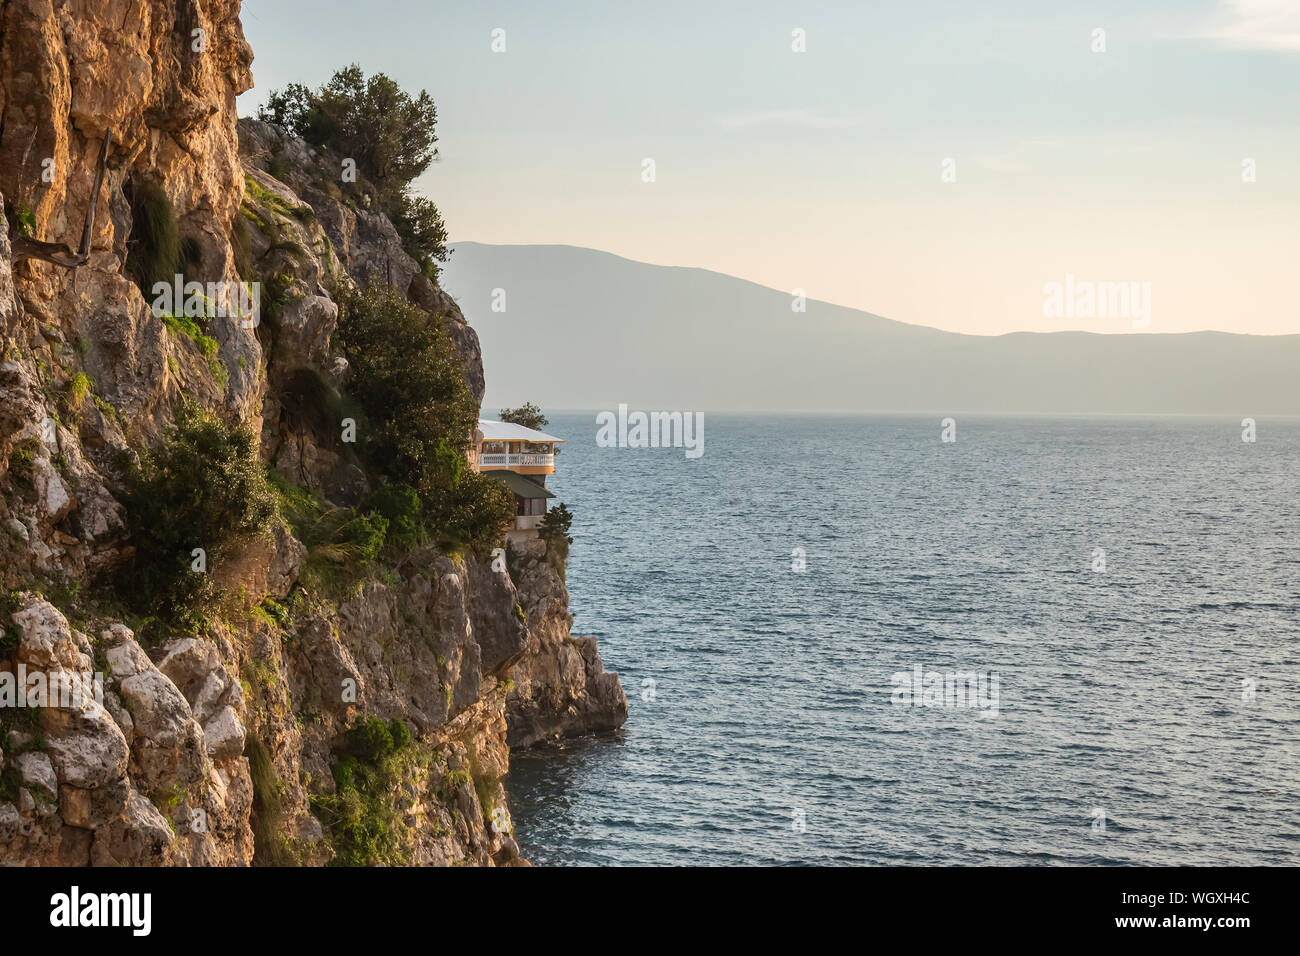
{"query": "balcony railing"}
(516, 461)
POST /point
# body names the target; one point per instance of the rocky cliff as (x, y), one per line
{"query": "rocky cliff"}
(304, 724)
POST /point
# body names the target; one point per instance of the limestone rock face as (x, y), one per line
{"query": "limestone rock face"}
(225, 747)
(464, 646)
(561, 688)
(121, 756)
(161, 78)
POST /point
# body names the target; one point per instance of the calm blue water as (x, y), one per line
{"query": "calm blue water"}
(1119, 691)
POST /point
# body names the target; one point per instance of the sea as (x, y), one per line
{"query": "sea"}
(846, 640)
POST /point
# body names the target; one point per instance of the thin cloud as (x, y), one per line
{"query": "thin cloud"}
(801, 117)
(1253, 25)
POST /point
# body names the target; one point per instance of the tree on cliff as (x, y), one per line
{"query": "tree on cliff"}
(555, 525)
(527, 414)
(388, 133)
(419, 415)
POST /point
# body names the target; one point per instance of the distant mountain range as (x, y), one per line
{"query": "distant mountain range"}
(584, 329)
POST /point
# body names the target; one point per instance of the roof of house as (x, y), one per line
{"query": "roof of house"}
(509, 431)
(523, 487)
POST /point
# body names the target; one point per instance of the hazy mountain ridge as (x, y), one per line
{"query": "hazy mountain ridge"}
(589, 329)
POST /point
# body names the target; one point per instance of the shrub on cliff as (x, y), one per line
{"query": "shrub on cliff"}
(472, 511)
(155, 249)
(555, 524)
(362, 815)
(554, 530)
(408, 377)
(399, 504)
(371, 739)
(341, 543)
(388, 133)
(203, 487)
(353, 536)
(527, 415)
(423, 233)
(419, 415)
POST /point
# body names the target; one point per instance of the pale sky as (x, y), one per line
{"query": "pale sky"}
(821, 170)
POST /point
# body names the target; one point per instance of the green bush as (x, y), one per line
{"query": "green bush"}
(422, 231)
(364, 824)
(370, 739)
(362, 536)
(341, 536)
(527, 414)
(554, 527)
(399, 504)
(203, 487)
(400, 734)
(554, 530)
(409, 381)
(472, 512)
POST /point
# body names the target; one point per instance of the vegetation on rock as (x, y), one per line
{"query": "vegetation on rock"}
(399, 504)
(203, 488)
(409, 381)
(270, 845)
(388, 133)
(365, 826)
(156, 251)
(527, 414)
(342, 543)
(554, 527)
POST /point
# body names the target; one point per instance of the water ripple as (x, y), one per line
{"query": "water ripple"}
(1120, 692)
